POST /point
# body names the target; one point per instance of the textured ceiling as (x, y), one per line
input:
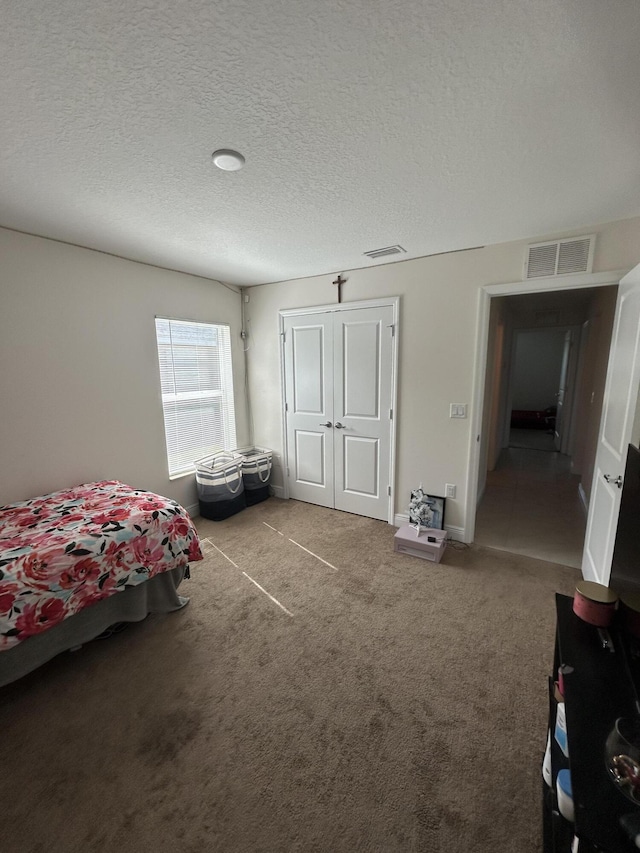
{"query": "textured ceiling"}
(436, 125)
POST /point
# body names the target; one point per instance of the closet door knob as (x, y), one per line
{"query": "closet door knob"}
(340, 426)
(328, 424)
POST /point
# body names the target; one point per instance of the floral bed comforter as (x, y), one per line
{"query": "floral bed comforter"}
(65, 551)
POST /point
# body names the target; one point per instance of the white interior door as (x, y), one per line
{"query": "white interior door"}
(339, 367)
(308, 347)
(618, 411)
(363, 359)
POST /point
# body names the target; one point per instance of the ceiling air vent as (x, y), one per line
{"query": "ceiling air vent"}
(562, 257)
(374, 254)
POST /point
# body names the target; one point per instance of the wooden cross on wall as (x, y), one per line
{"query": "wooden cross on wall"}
(339, 282)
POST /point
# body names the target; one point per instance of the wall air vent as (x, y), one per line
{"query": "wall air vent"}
(374, 254)
(562, 257)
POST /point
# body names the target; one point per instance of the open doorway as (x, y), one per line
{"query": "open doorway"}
(542, 379)
(547, 358)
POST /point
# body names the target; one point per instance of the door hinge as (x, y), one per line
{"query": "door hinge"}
(389, 490)
(287, 471)
(283, 335)
(392, 326)
(390, 414)
(286, 407)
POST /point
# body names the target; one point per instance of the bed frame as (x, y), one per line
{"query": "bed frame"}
(133, 604)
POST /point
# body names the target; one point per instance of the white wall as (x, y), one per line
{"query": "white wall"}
(438, 316)
(79, 381)
(536, 368)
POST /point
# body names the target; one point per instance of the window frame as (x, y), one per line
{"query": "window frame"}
(224, 362)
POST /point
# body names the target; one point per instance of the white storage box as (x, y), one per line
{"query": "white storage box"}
(408, 541)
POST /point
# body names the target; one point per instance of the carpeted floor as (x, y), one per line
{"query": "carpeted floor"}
(393, 705)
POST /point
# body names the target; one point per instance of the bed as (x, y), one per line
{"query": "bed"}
(74, 562)
(534, 419)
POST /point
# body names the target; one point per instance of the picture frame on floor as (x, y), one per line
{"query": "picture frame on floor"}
(426, 510)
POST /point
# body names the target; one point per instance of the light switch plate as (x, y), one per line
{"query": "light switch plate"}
(457, 410)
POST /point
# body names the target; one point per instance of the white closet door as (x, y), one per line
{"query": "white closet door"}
(363, 373)
(308, 347)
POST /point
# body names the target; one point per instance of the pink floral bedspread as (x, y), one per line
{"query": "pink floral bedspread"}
(65, 551)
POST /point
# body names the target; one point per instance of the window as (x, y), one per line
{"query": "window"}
(197, 390)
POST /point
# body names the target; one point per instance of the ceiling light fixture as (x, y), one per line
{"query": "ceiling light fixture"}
(228, 160)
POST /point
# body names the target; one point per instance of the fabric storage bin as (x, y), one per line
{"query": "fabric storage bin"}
(220, 486)
(256, 473)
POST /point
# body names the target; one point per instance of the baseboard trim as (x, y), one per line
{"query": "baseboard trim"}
(277, 492)
(583, 499)
(453, 530)
(456, 532)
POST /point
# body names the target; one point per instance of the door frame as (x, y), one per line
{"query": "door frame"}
(573, 371)
(486, 293)
(394, 303)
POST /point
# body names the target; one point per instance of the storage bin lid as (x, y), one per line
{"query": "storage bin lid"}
(596, 592)
(631, 600)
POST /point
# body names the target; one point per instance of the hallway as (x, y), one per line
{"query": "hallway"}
(531, 507)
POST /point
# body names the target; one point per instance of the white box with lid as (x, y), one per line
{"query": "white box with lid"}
(408, 541)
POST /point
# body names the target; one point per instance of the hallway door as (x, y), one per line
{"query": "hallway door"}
(618, 412)
(339, 367)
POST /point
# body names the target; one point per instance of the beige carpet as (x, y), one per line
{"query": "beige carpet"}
(401, 707)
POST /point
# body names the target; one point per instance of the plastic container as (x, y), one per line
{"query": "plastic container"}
(565, 795)
(630, 612)
(257, 463)
(622, 757)
(561, 729)
(546, 764)
(220, 485)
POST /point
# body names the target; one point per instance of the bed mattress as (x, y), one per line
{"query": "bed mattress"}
(71, 549)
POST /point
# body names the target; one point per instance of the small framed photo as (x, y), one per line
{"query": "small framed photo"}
(426, 510)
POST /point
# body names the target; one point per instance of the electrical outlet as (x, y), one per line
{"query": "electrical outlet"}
(450, 491)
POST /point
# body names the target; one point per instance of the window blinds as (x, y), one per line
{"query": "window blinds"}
(197, 390)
